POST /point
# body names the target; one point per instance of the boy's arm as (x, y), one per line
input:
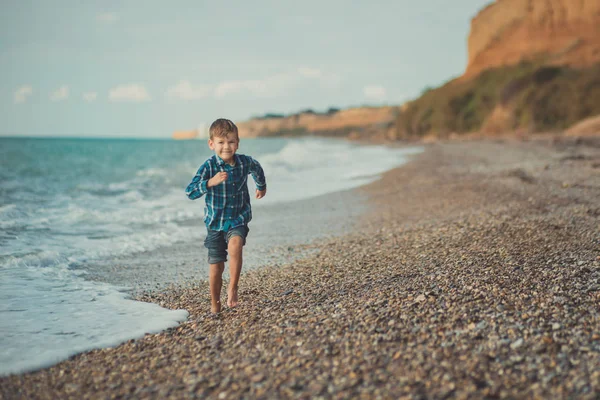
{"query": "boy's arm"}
(257, 174)
(199, 184)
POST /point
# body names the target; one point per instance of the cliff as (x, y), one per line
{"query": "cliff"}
(557, 32)
(354, 123)
(533, 66)
(589, 126)
(184, 135)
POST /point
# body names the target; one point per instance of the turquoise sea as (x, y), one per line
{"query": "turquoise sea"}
(86, 222)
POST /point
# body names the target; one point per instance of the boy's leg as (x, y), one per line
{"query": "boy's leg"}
(235, 268)
(236, 239)
(215, 280)
(217, 255)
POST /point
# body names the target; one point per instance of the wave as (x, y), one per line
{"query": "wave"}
(148, 209)
(314, 167)
(55, 225)
(50, 314)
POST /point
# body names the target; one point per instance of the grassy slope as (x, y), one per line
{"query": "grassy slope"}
(539, 98)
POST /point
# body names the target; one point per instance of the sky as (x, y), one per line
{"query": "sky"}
(147, 68)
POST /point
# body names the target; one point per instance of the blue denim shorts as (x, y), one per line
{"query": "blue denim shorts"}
(216, 242)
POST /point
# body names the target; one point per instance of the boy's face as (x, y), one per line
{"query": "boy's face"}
(224, 147)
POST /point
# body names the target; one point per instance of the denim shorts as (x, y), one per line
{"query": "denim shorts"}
(216, 242)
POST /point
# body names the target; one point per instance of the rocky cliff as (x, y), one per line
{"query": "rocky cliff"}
(559, 32)
(354, 123)
(184, 135)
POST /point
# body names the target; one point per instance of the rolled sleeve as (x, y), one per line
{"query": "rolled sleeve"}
(257, 174)
(199, 185)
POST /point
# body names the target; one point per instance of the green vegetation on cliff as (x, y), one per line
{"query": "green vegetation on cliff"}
(527, 97)
(329, 111)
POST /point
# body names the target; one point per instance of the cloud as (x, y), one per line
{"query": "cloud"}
(327, 80)
(310, 72)
(21, 94)
(374, 92)
(131, 92)
(107, 18)
(184, 91)
(275, 84)
(62, 93)
(90, 96)
(269, 86)
(255, 86)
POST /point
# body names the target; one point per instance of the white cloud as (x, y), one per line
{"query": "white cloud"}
(275, 84)
(185, 91)
(107, 18)
(254, 86)
(310, 72)
(374, 92)
(90, 96)
(131, 92)
(62, 93)
(21, 94)
(266, 87)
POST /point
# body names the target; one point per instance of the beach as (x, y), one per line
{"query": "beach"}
(474, 273)
(87, 224)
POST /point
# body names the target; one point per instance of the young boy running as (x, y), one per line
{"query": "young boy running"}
(223, 178)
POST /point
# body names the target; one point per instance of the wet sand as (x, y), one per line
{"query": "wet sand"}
(475, 273)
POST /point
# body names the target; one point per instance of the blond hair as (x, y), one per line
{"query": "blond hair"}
(223, 127)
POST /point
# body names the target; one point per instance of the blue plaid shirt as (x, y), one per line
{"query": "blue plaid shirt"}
(227, 204)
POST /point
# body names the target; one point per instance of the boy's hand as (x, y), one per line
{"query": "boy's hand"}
(261, 193)
(219, 178)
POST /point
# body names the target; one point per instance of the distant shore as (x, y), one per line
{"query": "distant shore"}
(476, 273)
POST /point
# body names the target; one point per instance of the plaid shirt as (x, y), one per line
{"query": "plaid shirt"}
(227, 204)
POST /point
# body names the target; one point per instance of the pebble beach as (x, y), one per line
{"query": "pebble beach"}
(475, 273)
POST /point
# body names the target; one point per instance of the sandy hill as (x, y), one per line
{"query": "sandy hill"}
(353, 122)
(562, 32)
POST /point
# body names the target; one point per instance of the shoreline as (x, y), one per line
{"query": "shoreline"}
(277, 228)
(280, 233)
(476, 274)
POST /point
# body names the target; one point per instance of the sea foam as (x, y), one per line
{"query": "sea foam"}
(69, 204)
(51, 313)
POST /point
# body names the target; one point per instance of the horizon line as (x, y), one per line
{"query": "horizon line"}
(17, 136)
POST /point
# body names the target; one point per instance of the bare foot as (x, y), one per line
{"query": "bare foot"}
(232, 297)
(215, 307)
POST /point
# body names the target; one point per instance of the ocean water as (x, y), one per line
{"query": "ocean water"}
(82, 221)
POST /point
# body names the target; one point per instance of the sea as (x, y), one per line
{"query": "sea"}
(87, 223)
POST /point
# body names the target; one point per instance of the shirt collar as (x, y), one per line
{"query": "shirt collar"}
(220, 161)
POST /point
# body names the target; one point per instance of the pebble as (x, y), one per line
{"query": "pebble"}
(463, 282)
(516, 344)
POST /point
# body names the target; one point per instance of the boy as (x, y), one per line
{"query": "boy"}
(223, 178)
